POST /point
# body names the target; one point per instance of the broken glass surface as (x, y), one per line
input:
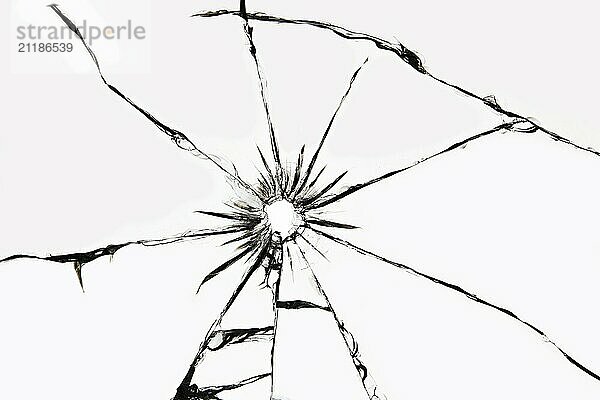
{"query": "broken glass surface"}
(312, 175)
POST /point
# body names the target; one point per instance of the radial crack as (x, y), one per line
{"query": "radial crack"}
(275, 264)
(179, 138)
(224, 266)
(406, 55)
(246, 218)
(329, 224)
(263, 87)
(355, 188)
(314, 181)
(185, 385)
(289, 182)
(460, 290)
(308, 203)
(297, 171)
(83, 258)
(315, 248)
(316, 155)
(351, 344)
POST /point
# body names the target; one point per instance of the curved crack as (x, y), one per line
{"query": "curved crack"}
(406, 55)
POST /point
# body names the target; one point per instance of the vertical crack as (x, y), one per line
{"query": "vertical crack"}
(352, 346)
(263, 87)
(406, 55)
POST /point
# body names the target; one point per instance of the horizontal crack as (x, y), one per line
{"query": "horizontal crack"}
(299, 304)
(224, 338)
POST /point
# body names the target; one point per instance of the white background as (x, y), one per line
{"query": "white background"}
(513, 218)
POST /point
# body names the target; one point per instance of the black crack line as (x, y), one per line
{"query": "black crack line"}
(329, 224)
(354, 188)
(82, 258)
(253, 236)
(315, 248)
(299, 305)
(291, 264)
(309, 202)
(460, 290)
(217, 214)
(397, 48)
(263, 87)
(250, 236)
(275, 263)
(250, 220)
(272, 179)
(314, 181)
(259, 234)
(263, 187)
(183, 388)
(193, 235)
(351, 345)
(297, 171)
(179, 138)
(211, 392)
(224, 266)
(286, 174)
(490, 101)
(316, 154)
(407, 56)
(235, 336)
(243, 206)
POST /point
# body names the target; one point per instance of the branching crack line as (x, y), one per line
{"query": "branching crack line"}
(263, 87)
(184, 388)
(259, 244)
(355, 188)
(406, 55)
(351, 344)
(211, 392)
(82, 258)
(460, 290)
(401, 51)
